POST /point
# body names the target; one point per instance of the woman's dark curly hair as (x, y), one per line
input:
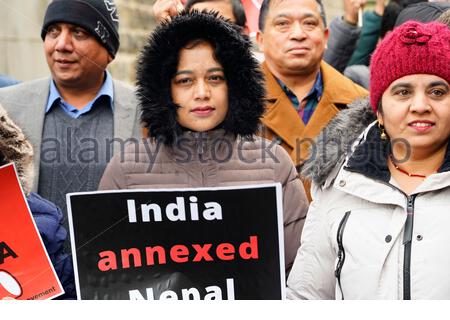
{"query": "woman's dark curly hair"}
(158, 64)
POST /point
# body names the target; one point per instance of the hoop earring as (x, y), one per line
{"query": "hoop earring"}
(383, 134)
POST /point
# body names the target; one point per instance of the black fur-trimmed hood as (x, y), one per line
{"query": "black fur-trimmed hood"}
(158, 63)
(336, 139)
(15, 148)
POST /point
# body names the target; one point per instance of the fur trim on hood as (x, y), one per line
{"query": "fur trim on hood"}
(336, 139)
(15, 148)
(159, 60)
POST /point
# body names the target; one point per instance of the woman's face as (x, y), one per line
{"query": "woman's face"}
(200, 88)
(417, 108)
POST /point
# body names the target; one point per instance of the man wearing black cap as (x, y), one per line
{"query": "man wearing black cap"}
(73, 118)
(422, 12)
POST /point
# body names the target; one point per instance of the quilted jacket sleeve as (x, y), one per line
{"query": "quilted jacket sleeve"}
(113, 178)
(48, 219)
(341, 43)
(295, 205)
(312, 275)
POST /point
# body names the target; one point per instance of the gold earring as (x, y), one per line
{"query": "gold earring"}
(383, 134)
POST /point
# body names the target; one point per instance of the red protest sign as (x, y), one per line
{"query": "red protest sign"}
(26, 272)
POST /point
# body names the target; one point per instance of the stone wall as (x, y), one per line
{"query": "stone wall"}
(21, 52)
(21, 47)
(136, 23)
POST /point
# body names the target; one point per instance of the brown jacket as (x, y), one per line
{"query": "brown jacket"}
(282, 122)
(214, 159)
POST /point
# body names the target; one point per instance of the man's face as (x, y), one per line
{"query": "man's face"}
(294, 37)
(75, 57)
(225, 8)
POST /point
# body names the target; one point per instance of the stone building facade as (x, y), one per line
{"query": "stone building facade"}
(22, 51)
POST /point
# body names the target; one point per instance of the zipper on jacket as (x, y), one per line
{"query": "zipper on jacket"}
(200, 142)
(341, 251)
(407, 242)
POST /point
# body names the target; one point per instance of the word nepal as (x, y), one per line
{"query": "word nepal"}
(212, 293)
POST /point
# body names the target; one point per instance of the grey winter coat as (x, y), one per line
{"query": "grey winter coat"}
(213, 159)
(341, 43)
(228, 155)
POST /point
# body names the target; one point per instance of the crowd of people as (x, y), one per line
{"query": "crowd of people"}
(352, 117)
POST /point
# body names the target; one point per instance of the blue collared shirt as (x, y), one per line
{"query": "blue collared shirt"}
(307, 106)
(55, 98)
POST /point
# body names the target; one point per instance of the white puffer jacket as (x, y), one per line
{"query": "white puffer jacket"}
(363, 237)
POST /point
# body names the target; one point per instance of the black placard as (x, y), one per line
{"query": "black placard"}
(139, 244)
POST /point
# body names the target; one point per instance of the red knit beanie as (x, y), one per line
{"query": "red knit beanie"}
(412, 48)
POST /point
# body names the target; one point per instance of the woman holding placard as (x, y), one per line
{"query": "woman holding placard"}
(201, 96)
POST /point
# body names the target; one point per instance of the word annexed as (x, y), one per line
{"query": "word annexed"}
(178, 253)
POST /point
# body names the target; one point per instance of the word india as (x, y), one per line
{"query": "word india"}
(175, 211)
